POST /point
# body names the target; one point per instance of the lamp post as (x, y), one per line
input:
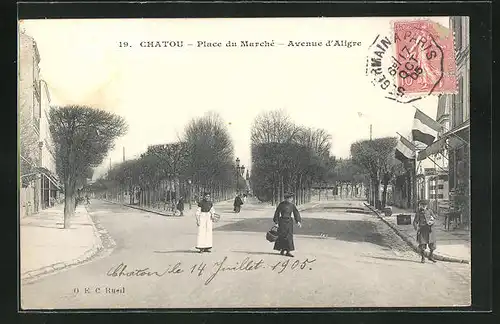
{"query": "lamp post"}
(189, 185)
(239, 172)
(372, 190)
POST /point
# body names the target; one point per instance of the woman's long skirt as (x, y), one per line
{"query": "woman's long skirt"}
(285, 235)
(204, 240)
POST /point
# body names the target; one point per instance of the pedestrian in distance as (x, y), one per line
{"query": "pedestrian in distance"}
(237, 204)
(88, 199)
(284, 220)
(204, 220)
(423, 224)
(180, 206)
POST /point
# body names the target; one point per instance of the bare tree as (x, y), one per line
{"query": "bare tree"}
(317, 140)
(82, 136)
(376, 158)
(287, 157)
(273, 127)
(211, 152)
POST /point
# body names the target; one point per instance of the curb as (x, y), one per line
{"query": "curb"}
(411, 242)
(141, 208)
(300, 209)
(96, 247)
(149, 210)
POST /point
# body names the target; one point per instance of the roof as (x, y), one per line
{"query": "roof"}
(23, 37)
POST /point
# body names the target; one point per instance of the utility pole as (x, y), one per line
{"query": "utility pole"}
(370, 132)
(124, 154)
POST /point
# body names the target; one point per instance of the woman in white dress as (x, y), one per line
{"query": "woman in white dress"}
(204, 219)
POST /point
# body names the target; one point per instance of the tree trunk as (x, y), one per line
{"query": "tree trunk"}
(375, 192)
(282, 189)
(384, 194)
(69, 203)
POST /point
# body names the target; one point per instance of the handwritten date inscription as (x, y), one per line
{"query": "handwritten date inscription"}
(203, 269)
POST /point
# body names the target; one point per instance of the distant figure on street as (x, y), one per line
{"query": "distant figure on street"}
(87, 198)
(180, 205)
(244, 198)
(283, 218)
(423, 223)
(237, 203)
(204, 216)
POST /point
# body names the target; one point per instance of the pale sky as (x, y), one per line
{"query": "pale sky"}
(158, 90)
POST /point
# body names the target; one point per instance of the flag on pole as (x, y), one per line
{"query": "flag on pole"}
(425, 129)
(405, 150)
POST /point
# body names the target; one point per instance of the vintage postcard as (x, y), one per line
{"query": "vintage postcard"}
(244, 163)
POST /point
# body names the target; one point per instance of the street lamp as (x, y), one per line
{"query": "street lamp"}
(238, 172)
(189, 184)
(372, 190)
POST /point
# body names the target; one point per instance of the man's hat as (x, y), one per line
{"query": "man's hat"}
(423, 202)
(206, 193)
(289, 195)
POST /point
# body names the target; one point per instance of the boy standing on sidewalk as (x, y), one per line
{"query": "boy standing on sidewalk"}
(423, 223)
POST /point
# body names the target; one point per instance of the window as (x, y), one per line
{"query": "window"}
(443, 177)
(440, 186)
(440, 196)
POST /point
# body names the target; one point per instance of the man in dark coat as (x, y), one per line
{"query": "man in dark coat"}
(283, 218)
(180, 205)
(426, 236)
(237, 204)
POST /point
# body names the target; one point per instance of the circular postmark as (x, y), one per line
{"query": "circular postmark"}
(417, 60)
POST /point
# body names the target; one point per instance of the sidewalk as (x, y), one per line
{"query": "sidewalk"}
(452, 245)
(45, 246)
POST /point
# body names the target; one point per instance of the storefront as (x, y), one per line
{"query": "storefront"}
(459, 173)
(50, 188)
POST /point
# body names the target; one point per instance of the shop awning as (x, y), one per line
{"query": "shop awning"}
(454, 140)
(52, 178)
(432, 149)
(449, 139)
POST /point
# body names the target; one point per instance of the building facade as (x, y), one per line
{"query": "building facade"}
(36, 153)
(29, 123)
(50, 187)
(454, 113)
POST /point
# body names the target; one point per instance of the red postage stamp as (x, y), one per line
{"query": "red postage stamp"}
(424, 57)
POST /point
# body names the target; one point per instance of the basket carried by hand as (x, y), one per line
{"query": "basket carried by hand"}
(272, 235)
(215, 218)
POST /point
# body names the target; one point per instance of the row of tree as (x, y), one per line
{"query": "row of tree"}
(201, 160)
(285, 157)
(288, 157)
(376, 159)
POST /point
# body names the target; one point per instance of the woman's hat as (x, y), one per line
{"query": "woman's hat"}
(206, 193)
(423, 202)
(289, 195)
